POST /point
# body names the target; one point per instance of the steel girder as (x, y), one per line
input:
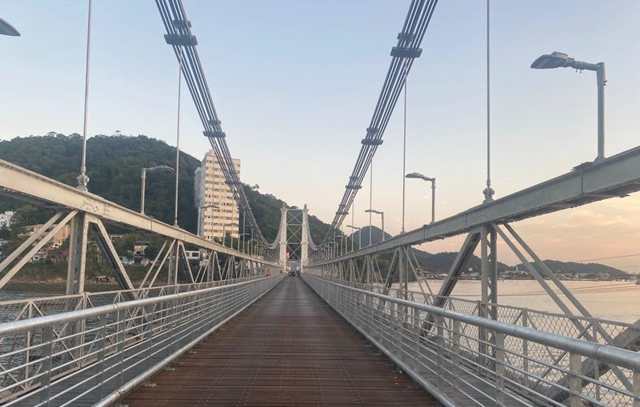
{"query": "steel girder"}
(23, 182)
(616, 176)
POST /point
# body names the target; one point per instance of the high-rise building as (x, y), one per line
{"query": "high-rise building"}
(217, 210)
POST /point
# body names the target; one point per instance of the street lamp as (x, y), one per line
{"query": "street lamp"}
(143, 181)
(359, 236)
(562, 60)
(381, 213)
(7, 29)
(417, 175)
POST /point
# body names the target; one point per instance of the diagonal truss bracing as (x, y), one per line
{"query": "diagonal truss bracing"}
(615, 176)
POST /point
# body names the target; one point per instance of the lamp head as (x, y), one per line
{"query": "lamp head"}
(373, 211)
(417, 175)
(554, 60)
(160, 167)
(7, 29)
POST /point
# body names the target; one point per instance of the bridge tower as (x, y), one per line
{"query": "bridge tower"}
(294, 237)
(304, 239)
(282, 234)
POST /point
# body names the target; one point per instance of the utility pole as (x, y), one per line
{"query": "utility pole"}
(83, 179)
(77, 254)
(404, 153)
(488, 191)
(175, 267)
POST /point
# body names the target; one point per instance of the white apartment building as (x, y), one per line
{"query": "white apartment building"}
(218, 211)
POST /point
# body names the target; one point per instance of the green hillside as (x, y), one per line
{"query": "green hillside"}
(114, 165)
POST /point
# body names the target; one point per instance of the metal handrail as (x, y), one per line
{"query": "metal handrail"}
(216, 283)
(88, 355)
(465, 359)
(14, 327)
(432, 297)
(607, 353)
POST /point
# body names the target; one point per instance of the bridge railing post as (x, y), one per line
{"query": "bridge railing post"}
(372, 314)
(456, 335)
(440, 344)
(415, 322)
(500, 367)
(28, 344)
(120, 338)
(101, 351)
(525, 343)
(482, 337)
(636, 388)
(575, 382)
(48, 338)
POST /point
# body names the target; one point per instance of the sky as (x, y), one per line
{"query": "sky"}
(295, 83)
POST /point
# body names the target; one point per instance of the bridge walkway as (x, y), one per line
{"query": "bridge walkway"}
(288, 349)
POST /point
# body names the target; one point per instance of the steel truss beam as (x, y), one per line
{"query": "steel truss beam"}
(615, 176)
(155, 262)
(36, 186)
(80, 225)
(109, 251)
(44, 234)
(458, 266)
(541, 272)
(402, 263)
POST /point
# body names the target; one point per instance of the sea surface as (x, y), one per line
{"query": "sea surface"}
(613, 300)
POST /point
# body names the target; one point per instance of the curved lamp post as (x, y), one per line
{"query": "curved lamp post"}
(562, 60)
(381, 213)
(417, 175)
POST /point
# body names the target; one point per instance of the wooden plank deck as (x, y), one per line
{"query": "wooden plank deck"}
(288, 349)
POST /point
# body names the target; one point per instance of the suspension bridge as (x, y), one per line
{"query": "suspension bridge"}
(346, 329)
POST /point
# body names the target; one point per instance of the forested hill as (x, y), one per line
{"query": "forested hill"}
(114, 164)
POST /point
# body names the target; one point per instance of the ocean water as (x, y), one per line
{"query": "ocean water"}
(613, 300)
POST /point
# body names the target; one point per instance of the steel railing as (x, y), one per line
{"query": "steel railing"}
(574, 326)
(24, 308)
(94, 355)
(465, 359)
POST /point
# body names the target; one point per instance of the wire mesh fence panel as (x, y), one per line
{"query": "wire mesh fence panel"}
(470, 360)
(84, 355)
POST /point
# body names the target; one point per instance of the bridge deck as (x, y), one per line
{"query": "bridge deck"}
(290, 348)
